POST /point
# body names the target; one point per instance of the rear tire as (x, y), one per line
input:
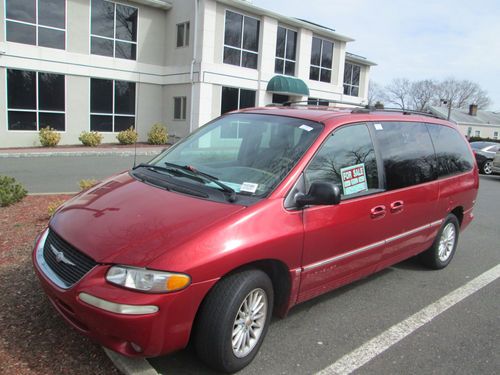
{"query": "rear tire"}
(233, 320)
(486, 167)
(440, 254)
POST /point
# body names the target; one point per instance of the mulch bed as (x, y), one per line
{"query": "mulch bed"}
(33, 338)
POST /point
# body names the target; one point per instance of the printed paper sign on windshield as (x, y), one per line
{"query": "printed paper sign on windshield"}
(354, 179)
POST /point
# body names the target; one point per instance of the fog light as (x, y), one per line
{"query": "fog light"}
(136, 347)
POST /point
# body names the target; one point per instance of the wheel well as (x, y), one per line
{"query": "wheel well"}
(459, 213)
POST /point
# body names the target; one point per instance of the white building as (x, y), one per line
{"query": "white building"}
(100, 65)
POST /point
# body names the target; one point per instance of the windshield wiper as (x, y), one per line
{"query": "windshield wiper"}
(230, 191)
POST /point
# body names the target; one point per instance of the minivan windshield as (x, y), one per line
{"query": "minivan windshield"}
(249, 154)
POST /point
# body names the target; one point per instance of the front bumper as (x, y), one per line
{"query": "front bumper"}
(155, 333)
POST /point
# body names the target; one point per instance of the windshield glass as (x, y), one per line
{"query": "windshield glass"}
(249, 153)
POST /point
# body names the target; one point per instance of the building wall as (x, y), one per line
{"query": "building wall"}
(486, 131)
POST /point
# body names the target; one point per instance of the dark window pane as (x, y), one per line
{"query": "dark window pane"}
(51, 38)
(125, 50)
(177, 108)
(125, 97)
(100, 46)
(316, 51)
(291, 45)
(100, 123)
(232, 56)
(232, 34)
(314, 74)
(54, 120)
(326, 57)
(101, 95)
(103, 16)
(21, 33)
(247, 99)
(229, 99)
(350, 146)
(22, 120)
(51, 13)
(407, 153)
(326, 75)
(348, 73)
(126, 23)
(251, 34)
(280, 42)
(187, 34)
(452, 152)
(355, 91)
(180, 35)
(21, 89)
(347, 90)
(277, 98)
(184, 108)
(355, 75)
(51, 92)
(279, 66)
(21, 10)
(249, 60)
(123, 123)
(289, 68)
(323, 103)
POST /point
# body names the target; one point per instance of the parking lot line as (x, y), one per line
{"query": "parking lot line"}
(376, 346)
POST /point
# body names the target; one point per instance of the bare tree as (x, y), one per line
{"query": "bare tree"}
(422, 94)
(463, 93)
(398, 92)
(375, 93)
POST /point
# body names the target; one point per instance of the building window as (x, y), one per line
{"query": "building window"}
(351, 79)
(318, 102)
(234, 99)
(35, 100)
(477, 133)
(286, 48)
(241, 40)
(183, 34)
(112, 105)
(495, 135)
(36, 22)
(180, 108)
(113, 30)
(280, 99)
(321, 60)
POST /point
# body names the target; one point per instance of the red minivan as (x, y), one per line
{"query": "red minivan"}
(253, 213)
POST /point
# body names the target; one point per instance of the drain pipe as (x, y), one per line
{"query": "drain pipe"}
(193, 62)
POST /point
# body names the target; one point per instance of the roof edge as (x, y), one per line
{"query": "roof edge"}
(359, 59)
(162, 4)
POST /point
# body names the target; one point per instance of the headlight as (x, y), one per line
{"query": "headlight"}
(147, 280)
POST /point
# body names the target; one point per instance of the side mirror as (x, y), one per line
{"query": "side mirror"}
(320, 193)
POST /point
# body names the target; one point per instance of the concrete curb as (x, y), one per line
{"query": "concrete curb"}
(130, 366)
(35, 154)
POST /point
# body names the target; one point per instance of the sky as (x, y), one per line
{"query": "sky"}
(416, 39)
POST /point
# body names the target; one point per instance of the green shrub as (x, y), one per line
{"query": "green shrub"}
(87, 184)
(127, 137)
(158, 135)
(10, 191)
(90, 139)
(49, 137)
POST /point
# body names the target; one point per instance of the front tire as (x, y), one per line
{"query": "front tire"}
(233, 320)
(440, 254)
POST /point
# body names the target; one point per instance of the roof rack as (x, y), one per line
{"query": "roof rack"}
(368, 109)
(315, 103)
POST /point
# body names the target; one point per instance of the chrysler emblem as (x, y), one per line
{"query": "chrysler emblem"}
(60, 256)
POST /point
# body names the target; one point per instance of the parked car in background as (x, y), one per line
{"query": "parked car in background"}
(484, 153)
(250, 215)
(495, 165)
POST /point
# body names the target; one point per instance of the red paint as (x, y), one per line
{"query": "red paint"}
(124, 221)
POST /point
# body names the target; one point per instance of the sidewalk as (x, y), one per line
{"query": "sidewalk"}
(79, 150)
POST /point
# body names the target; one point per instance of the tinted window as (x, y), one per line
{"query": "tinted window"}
(21, 87)
(286, 42)
(51, 13)
(407, 153)
(21, 10)
(452, 153)
(351, 79)
(346, 159)
(51, 92)
(241, 40)
(321, 60)
(101, 95)
(124, 97)
(126, 23)
(233, 99)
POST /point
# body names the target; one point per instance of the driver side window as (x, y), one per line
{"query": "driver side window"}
(347, 159)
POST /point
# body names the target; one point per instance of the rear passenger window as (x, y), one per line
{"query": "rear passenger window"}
(452, 153)
(346, 159)
(407, 153)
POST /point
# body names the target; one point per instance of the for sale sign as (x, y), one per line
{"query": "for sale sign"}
(353, 179)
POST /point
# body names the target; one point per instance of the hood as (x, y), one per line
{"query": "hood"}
(126, 221)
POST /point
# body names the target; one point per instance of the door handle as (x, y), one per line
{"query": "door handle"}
(378, 211)
(397, 206)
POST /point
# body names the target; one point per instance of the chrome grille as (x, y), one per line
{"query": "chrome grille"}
(69, 264)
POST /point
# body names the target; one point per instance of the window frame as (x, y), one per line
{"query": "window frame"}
(320, 67)
(37, 103)
(242, 31)
(350, 85)
(113, 114)
(183, 109)
(284, 58)
(114, 39)
(185, 40)
(495, 135)
(37, 26)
